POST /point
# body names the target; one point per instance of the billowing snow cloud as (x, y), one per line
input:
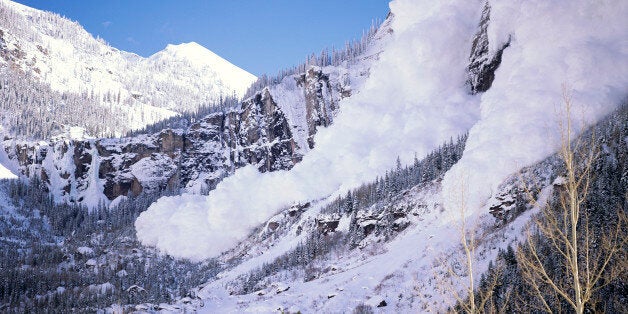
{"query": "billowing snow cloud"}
(413, 101)
(582, 45)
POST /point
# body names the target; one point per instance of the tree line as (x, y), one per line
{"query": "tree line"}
(573, 258)
(334, 57)
(66, 257)
(376, 195)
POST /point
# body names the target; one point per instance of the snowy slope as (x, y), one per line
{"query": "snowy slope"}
(6, 173)
(521, 113)
(62, 54)
(270, 130)
(414, 97)
(410, 256)
(409, 272)
(4, 160)
(183, 61)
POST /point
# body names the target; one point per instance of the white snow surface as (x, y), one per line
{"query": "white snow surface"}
(414, 100)
(84, 250)
(6, 173)
(222, 72)
(93, 194)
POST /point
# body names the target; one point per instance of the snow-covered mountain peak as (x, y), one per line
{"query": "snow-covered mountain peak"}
(202, 58)
(188, 48)
(62, 55)
(192, 52)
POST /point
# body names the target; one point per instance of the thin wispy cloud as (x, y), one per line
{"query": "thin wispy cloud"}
(106, 24)
(132, 40)
(166, 29)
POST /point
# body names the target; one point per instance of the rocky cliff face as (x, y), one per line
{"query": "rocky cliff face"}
(258, 133)
(482, 62)
(321, 99)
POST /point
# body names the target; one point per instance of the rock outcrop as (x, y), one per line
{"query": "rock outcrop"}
(257, 133)
(321, 99)
(482, 62)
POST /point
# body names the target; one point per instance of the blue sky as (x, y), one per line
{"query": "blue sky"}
(260, 36)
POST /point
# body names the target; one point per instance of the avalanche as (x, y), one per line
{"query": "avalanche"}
(415, 89)
(416, 99)
(520, 113)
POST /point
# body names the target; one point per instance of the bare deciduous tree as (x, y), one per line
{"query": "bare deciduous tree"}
(473, 300)
(584, 260)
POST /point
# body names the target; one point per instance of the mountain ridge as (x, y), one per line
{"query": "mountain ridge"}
(60, 53)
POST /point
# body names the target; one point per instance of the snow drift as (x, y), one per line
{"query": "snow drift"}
(414, 100)
(6, 173)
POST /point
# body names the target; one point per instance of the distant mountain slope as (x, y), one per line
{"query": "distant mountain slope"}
(190, 62)
(272, 131)
(58, 52)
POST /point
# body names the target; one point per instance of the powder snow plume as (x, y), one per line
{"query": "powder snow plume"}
(579, 47)
(413, 101)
